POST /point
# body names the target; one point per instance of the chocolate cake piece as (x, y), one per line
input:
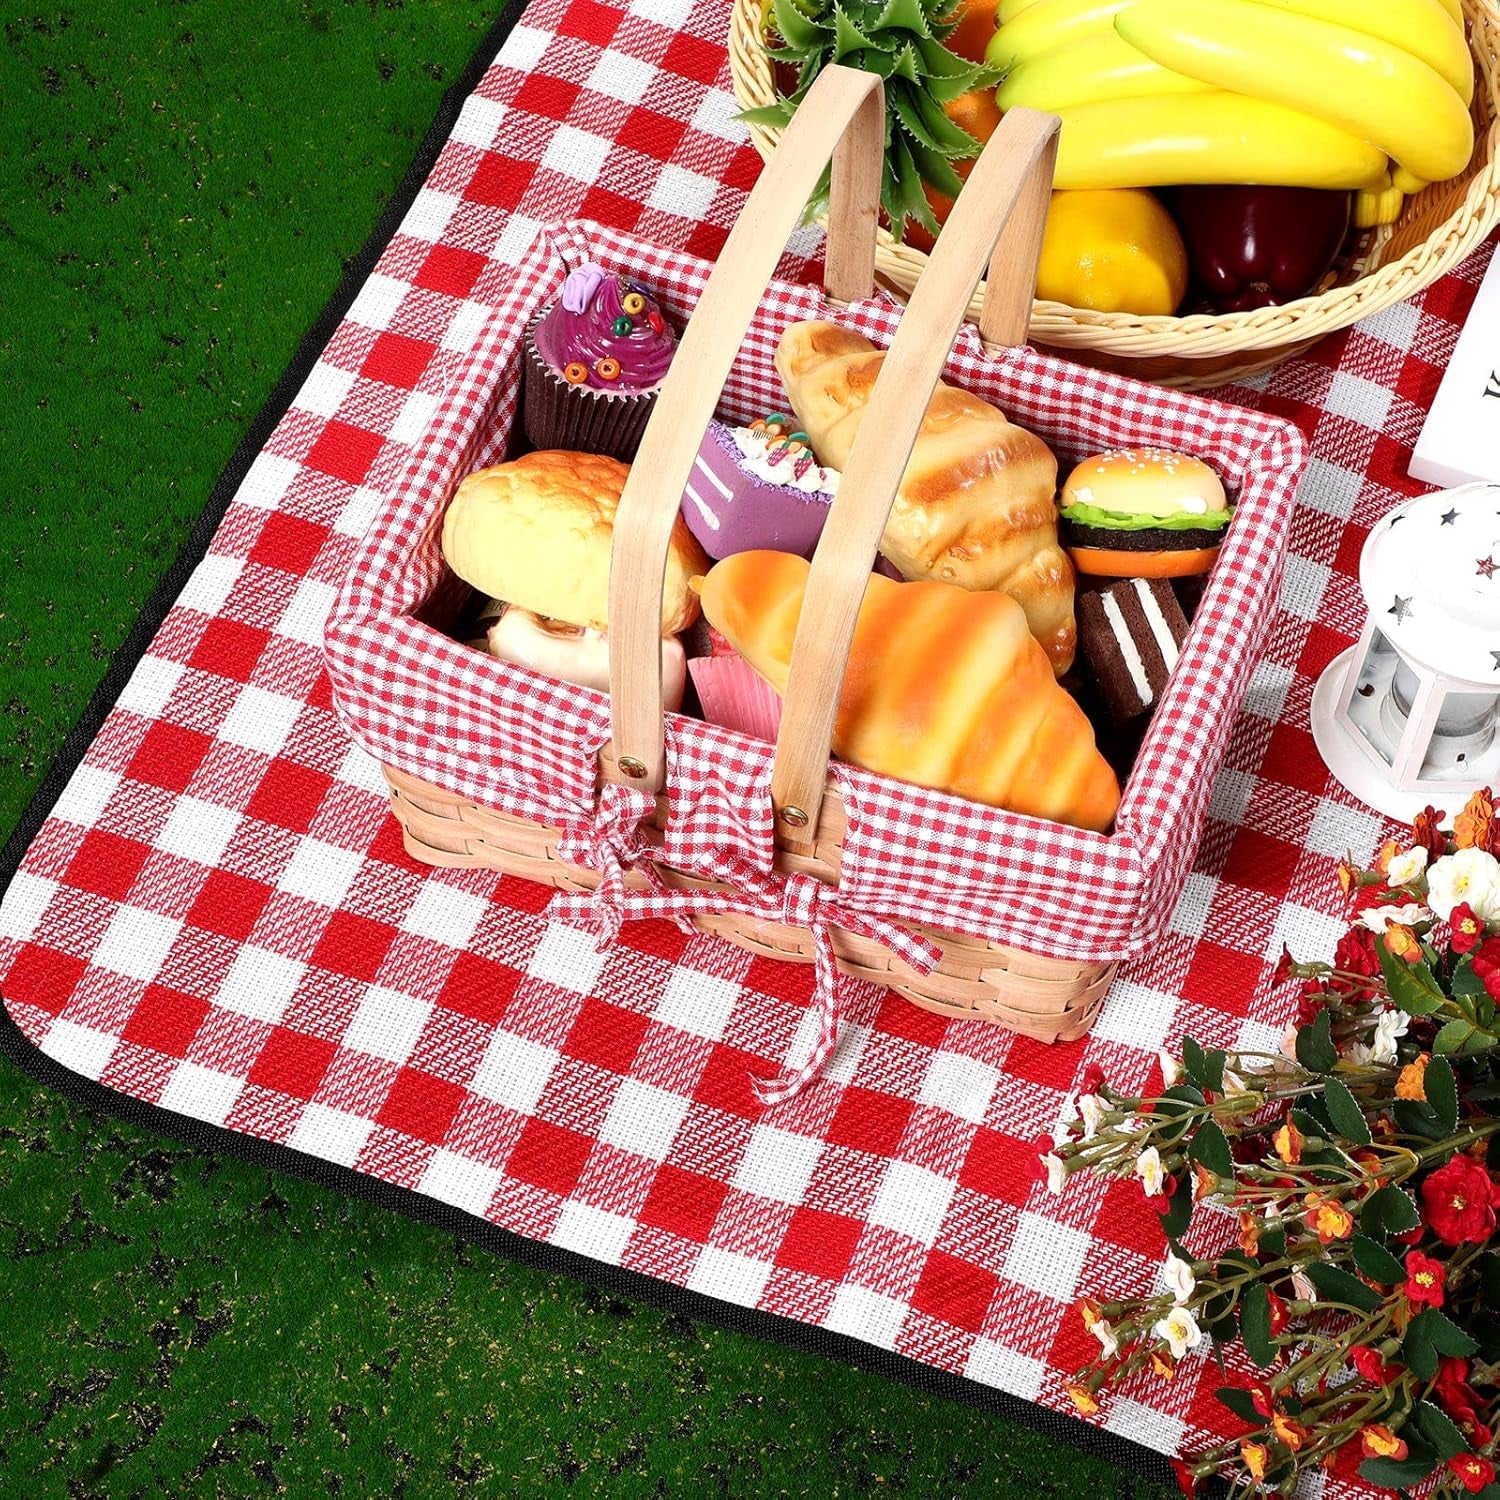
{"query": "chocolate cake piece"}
(1131, 635)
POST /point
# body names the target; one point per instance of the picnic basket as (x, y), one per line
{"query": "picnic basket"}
(1437, 229)
(969, 911)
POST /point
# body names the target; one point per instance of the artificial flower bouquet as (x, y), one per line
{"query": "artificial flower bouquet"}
(1341, 1194)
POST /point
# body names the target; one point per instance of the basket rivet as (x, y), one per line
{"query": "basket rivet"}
(633, 768)
(794, 817)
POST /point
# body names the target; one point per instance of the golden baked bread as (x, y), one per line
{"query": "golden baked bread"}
(975, 505)
(945, 687)
(537, 532)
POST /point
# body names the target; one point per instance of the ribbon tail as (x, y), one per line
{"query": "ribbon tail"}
(828, 998)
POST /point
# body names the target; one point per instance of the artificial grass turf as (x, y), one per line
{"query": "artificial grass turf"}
(186, 182)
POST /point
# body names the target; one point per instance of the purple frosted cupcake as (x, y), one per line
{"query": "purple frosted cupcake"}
(594, 361)
(758, 488)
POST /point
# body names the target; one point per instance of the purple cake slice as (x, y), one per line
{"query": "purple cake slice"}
(757, 488)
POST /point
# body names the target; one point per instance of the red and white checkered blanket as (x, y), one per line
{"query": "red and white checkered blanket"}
(217, 916)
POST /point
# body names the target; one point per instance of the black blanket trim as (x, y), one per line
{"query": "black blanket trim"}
(15, 1046)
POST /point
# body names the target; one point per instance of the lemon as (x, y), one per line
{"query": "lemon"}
(1112, 250)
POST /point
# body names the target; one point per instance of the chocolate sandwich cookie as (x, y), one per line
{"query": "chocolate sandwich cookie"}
(1131, 635)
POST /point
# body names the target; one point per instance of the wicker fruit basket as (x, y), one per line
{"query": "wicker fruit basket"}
(967, 910)
(1437, 229)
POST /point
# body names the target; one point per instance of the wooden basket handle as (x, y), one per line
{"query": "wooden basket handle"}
(842, 120)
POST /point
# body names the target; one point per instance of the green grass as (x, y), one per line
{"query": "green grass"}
(184, 187)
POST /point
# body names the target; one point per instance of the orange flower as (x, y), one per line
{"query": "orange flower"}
(1427, 830)
(1381, 1442)
(1163, 1365)
(1090, 1313)
(1249, 1234)
(1348, 877)
(1411, 1081)
(1388, 851)
(1256, 1457)
(1331, 1219)
(1204, 1181)
(1293, 1434)
(1288, 1142)
(1474, 827)
(1083, 1398)
(1401, 942)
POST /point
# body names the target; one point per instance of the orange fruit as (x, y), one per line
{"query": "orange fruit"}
(1112, 250)
(976, 25)
(977, 113)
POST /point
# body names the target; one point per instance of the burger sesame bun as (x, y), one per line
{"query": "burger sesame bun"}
(1146, 482)
(1143, 513)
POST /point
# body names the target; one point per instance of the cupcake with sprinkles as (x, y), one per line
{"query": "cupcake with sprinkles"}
(595, 360)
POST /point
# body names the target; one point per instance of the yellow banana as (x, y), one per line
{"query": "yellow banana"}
(1420, 27)
(1008, 10)
(1378, 206)
(1047, 24)
(1455, 9)
(1366, 87)
(1092, 69)
(1213, 137)
(1408, 182)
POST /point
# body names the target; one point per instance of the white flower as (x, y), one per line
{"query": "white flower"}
(1057, 1172)
(1289, 1044)
(1148, 1168)
(1378, 918)
(1171, 1069)
(1108, 1340)
(1405, 868)
(1470, 875)
(1234, 1084)
(1358, 1054)
(1178, 1275)
(1388, 1029)
(1091, 1111)
(1180, 1329)
(1303, 1287)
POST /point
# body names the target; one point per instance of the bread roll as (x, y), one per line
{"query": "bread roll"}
(537, 532)
(975, 506)
(573, 653)
(945, 687)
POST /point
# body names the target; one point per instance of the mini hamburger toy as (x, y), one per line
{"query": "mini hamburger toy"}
(594, 360)
(1143, 513)
(1131, 635)
(536, 534)
(758, 487)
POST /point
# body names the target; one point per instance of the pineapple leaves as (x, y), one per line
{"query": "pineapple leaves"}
(937, 171)
(945, 138)
(796, 28)
(904, 15)
(848, 38)
(776, 116)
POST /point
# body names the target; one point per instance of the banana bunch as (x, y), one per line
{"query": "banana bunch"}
(1369, 95)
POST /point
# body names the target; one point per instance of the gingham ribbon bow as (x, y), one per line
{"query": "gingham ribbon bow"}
(797, 900)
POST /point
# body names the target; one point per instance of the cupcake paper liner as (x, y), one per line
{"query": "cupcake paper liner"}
(733, 695)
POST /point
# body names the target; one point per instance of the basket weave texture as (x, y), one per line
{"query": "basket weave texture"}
(1437, 229)
(492, 765)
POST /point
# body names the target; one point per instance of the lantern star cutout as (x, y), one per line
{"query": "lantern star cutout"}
(1448, 517)
(1487, 566)
(1401, 609)
(1496, 655)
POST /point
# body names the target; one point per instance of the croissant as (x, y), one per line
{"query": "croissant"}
(945, 687)
(975, 506)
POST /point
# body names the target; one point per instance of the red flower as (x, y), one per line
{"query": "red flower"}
(1356, 954)
(1427, 830)
(1279, 1314)
(1369, 1364)
(1424, 1280)
(1262, 1399)
(1455, 1395)
(1472, 1471)
(1185, 1481)
(1465, 929)
(1486, 961)
(1459, 1200)
(1283, 970)
(1310, 1003)
(1092, 1080)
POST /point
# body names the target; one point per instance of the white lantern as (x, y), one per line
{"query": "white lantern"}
(1408, 716)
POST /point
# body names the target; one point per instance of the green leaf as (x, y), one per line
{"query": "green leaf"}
(1439, 1429)
(796, 28)
(1462, 1036)
(1210, 1148)
(1376, 1262)
(1442, 1092)
(1255, 1325)
(1417, 1350)
(1400, 1473)
(847, 37)
(1412, 986)
(1339, 1285)
(1465, 981)
(936, 170)
(774, 115)
(903, 15)
(1241, 1403)
(1204, 1068)
(1343, 1109)
(1389, 1210)
(1315, 1049)
(906, 64)
(1273, 1243)
(950, 141)
(1179, 1213)
(1444, 1334)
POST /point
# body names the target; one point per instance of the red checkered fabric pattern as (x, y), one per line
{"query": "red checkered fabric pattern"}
(218, 917)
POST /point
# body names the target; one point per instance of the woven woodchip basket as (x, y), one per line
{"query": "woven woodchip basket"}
(1002, 221)
(1436, 230)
